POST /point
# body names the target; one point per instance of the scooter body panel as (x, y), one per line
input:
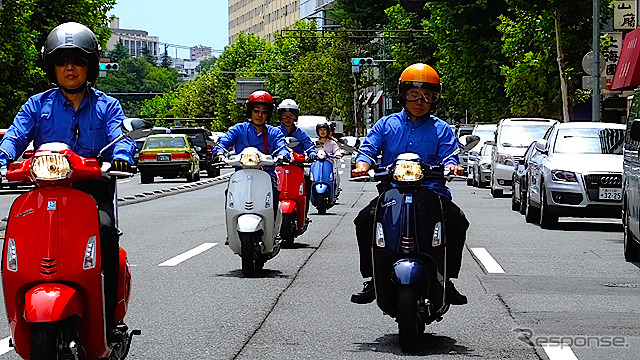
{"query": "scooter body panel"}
(410, 256)
(247, 195)
(51, 227)
(323, 185)
(292, 192)
(50, 302)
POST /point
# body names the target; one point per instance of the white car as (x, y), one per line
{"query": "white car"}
(577, 172)
(480, 165)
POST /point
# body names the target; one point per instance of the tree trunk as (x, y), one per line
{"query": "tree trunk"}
(563, 78)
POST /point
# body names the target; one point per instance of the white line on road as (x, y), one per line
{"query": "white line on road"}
(557, 351)
(4, 346)
(188, 255)
(489, 263)
(124, 181)
(343, 166)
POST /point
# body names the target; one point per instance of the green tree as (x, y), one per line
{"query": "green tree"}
(206, 64)
(119, 52)
(363, 14)
(166, 59)
(148, 56)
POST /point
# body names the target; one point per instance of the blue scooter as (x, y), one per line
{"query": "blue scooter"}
(324, 183)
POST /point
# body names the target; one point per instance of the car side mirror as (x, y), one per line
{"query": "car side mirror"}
(635, 130)
(291, 141)
(542, 146)
(471, 142)
(131, 124)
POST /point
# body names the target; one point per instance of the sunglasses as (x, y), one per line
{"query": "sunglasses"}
(65, 59)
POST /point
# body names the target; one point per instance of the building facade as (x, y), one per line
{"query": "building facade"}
(199, 52)
(261, 17)
(134, 40)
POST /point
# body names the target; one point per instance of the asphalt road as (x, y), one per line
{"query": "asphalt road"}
(570, 285)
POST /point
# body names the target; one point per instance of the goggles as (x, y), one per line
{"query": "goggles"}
(66, 57)
(418, 90)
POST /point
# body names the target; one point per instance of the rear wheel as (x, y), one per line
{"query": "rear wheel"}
(44, 341)
(196, 177)
(408, 321)
(146, 178)
(190, 176)
(213, 171)
(547, 219)
(286, 229)
(248, 254)
(631, 246)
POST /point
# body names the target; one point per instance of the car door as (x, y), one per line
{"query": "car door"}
(536, 169)
(631, 173)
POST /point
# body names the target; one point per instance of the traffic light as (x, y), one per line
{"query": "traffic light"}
(108, 66)
(357, 62)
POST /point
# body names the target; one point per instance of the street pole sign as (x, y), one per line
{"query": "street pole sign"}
(625, 15)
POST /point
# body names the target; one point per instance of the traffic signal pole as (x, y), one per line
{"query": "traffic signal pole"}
(595, 101)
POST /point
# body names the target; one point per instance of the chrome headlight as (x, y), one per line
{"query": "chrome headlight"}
(437, 235)
(51, 167)
(230, 200)
(90, 254)
(407, 171)
(12, 256)
(250, 159)
(563, 176)
(380, 235)
(267, 201)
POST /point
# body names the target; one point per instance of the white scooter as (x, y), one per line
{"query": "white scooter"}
(253, 215)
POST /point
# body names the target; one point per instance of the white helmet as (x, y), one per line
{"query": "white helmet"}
(288, 105)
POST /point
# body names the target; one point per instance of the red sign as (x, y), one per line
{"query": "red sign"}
(628, 70)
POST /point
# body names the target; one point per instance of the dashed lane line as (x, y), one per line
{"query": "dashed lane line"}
(487, 261)
(556, 351)
(188, 255)
(4, 345)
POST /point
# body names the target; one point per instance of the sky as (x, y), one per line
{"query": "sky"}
(198, 22)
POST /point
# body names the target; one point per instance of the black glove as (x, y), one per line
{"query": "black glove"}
(120, 165)
(312, 157)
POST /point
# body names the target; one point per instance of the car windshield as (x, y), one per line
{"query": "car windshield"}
(165, 142)
(521, 135)
(589, 141)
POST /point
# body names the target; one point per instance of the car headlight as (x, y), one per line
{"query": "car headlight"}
(564, 176)
(250, 159)
(505, 159)
(51, 167)
(407, 171)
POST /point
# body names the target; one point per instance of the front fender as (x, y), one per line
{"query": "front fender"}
(51, 302)
(409, 272)
(288, 206)
(248, 223)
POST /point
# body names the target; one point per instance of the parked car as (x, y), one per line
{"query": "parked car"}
(631, 184)
(486, 132)
(202, 138)
(577, 172)
(519, 182)
(480, 165)
(169, 156)
(513, 136)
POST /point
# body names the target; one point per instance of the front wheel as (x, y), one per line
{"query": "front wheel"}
(409, 327)
(547, 219)
(286, 229)
(631, 246)
(515, 204)
(531, 214)
(44, 341)
(248, 254)
(322, 209)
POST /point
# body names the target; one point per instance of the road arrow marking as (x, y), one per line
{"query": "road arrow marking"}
(489, 263)
(188, 255)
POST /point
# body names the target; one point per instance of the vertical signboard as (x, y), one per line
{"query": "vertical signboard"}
(625, 15)
(611, 56)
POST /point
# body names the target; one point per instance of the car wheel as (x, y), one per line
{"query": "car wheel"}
(213, 171)
(631, 245)
(196, 177)
(496, 193)
(532, 214)
(189, 177)
(547, 219)
(469, 182)
(515, 204)
(146, 178)
(523, 204)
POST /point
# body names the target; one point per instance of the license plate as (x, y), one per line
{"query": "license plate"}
(610, 194)
(163, 157)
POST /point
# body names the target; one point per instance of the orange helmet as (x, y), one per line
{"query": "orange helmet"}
(419, 76)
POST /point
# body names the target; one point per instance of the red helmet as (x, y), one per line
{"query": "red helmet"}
(260, 98)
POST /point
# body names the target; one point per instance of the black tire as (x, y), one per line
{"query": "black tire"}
(532, 214)
(44, 341)
(515, 204)
(146, 178)
(547, 219)
(213, 171)
(322, 209)
(408, 321)
(631, 245)
(523, 202)
(469, 182)
(496, 193)
(190, 176)
(286, 229)
(248, 254)
(196, 176)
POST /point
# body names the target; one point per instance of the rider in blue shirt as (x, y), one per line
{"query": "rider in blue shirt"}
(86, 120)
(415, 129)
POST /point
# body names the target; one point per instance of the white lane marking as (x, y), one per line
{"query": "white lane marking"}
(343, 166)
(124, 181)
(556, 351)
(489, 263)
(340, 172)
(4, 346)
(188, 255)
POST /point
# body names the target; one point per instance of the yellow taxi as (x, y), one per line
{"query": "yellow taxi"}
(169, 156)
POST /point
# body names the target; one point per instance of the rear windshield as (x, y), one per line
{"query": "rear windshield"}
(589, 141)
(521, 135)
(165, 142)
(197, 138)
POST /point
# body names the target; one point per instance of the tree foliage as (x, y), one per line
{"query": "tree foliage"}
(118, 53)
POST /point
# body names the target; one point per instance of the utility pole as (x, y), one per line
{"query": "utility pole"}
(595, 101)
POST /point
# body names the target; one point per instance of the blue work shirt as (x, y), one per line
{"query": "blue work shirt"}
(49, 117)
(305, 146)
(244, 135)
(429, 137)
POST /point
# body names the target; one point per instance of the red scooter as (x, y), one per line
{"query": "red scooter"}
(292, 200)
(51, 265)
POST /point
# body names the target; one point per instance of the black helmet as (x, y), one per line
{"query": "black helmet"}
(75, 38)
(323, 124)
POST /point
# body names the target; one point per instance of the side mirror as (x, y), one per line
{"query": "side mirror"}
(635, 130)
(542, 146)
(131, 124)
(471, 142)
(291, 141)
(197, 148)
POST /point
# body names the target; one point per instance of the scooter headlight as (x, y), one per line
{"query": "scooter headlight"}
(380, 235)
(90, 254)
(12, 256)
(230, 200)
(267, 202)
(407, 171)
(250, 159)
(51, 167)
(437, 235)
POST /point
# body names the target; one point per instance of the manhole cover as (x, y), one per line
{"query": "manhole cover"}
(623, 285)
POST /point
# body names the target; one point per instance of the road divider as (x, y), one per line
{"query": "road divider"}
(188, 255)
(487, 261)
